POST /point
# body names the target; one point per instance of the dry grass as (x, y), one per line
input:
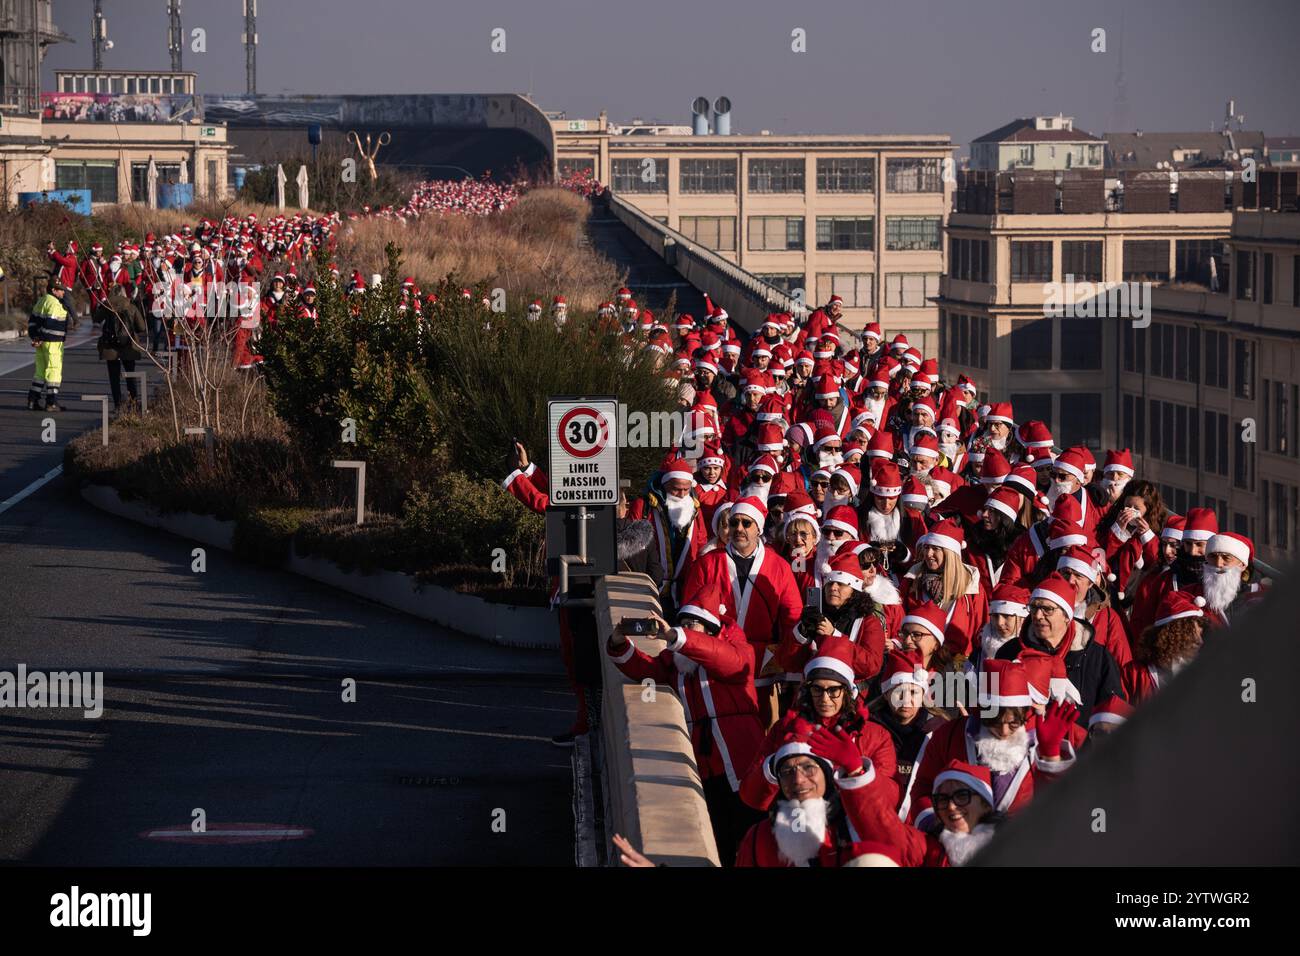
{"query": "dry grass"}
(531, 249)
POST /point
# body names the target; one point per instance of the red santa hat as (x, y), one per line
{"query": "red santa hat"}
(828, 386)
(843, 568)
(1237, 545)
(677, 469)
(967, 385)
(1114, 710)
(945, 480)
(712, 455)
(899, 344)
(946, 534)
(800, 502)
(1036, 438)
(1008, 685)
(852, 475)
(929, 616)
(1176, 605)
(1173, 528)
(975, 778)
(1047, 678)
(1001, 412)
(703, 360)
(1005, 501)
(1120, 460)
(924, 443)
(1010, 599)
(904, 667)
(1072, 463)
(782, 485)
(752, 508)
(1200, 524)
(886, 480)
(1056, 589)
(881, 445)
(914, 493)
(1080, 560)
(882, 371)
(1065, 534)
(706, 605)
(996, 467)
(872, 331)
(841, 518)
(770, 438)
(752, 380)
(1022, 479)
(834, 660)
(764, 463)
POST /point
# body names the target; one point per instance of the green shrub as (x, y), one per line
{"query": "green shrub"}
(264, 535)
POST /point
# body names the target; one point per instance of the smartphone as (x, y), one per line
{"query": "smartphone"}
(640, 626)
(813, 598)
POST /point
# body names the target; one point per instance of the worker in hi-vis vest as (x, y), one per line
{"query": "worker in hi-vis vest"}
(47, 327)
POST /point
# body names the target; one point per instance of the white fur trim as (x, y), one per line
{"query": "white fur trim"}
(1067, 540)
(1222, 544)
(625, 656)
(886, 492)
(974, 783)
(1120, 468)
(678, 640)
(832, 664)
(941, 541)
(920, 677)
(749, 511)
(675, 475)
(1198, 535)
(1160, 622)
(857, 780)
(1049, 595)
(1171, 534)
(1002, 506)
(1105, 717)
(925, 623)
(842, 577)
(1069, 469)
(840, 526)
(914, 499)
(1009, 607)
(999, 418)
(1089, 571)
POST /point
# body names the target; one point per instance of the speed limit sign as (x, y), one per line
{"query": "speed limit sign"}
(583, 438)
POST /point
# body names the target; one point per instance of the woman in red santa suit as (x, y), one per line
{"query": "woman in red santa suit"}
(943, 579)
(901, 710)
(1005, 735)
(880, 586)
(1130, 532)
(1008, 611)
(709, 663)
(827, 697)
(845, 611)
(1166, 647)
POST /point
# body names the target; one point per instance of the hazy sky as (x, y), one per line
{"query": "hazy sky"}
(960, 67)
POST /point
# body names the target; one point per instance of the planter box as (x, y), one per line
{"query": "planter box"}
(506, 624)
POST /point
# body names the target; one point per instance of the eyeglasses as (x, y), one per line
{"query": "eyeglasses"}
(1061, 476)
(788, 774)
(833, 449)
(834, 693)
(1047, 609)
(914, 635)
(820, 483)
(762, 477)
(740, 522)
(867, 560)
(960, 797)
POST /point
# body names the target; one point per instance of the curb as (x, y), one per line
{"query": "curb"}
(529, 628)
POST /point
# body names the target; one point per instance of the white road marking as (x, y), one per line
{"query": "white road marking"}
(31, 489)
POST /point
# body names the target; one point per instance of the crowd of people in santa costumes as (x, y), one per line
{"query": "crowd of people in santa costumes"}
(867, 535)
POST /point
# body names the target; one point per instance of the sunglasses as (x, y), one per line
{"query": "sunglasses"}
(740, 522)
(788, 774)
(762, 477)
(820, 483)
(960, 797)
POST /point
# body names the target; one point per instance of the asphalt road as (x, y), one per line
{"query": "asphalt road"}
(224, 692)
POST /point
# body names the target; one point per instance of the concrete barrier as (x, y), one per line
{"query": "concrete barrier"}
(505, 624)
(652, 790)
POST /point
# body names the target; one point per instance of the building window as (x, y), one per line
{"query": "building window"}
(856, 289)
(1243, 368)
(570, 166)
(854, 174)
(846, 232)
(1146, 260)
(1031, 346)
(1080, 420)
(1295, 281)
(99, 176)
(1081, 344)
(1283, 506)
(910, 290)
(1031, 262)
(707, 176)
(1243, 524)
(1216, 443)
(1198, 261)
(712, 232)
(1266, 280)
(785, 282)
(1279, 417)
(1033, 407)
(1134, 425)
(1135, 348)
(167, 173)
(904, 233)
(1082, 259)
(968, 259)
(1243, 460)
(648, 174)
(775, 233)
(1216, 359)
(913, 176)
(1246, 276)
(776, 175)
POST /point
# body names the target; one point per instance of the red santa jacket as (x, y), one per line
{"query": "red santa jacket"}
(66, 270)
(1012, 790)
(760, 785)
(714, 679)
(92, 277)
(769, 606)
(874, 818)
(526, 485)
(697, 536)
(1141, 681)
(759, 846)
(966, 615)
(867, 634)
(1110, 631)
(1022, 558)
(1127, 554)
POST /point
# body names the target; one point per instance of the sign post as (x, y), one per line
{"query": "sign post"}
(582, 436)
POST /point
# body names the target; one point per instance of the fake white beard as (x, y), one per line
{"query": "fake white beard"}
(826, 550)
(949, 449)
(757, 490)
(884, 527)
(680, 511)
(991, 641)
(800, 829)
(1054, 491)
(1001, 756)
(962, 847)
(828, 460)
(882, 590)
(999, 443)
(874, 408)
(1221, 586)
(834, 501)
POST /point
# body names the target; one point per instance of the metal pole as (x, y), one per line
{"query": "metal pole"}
(582, 534)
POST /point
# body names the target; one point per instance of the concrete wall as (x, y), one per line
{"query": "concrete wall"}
(653, 794)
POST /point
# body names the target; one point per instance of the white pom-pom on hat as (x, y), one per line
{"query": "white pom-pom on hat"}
(1111, 577)
(1199, 601)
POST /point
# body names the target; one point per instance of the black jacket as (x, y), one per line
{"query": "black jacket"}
(907, 737)
(636, 550)
(1092, 670)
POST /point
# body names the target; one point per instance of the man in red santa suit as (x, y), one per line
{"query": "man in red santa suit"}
(679, 526)
(1199, 526)
(761, 588)
(1054, 534)
(711, 667)
(1228, 579)
(1005, 736)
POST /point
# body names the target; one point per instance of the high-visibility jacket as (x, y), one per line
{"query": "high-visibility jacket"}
(48, 321)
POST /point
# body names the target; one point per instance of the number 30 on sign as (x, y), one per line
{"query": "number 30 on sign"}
(583, 451)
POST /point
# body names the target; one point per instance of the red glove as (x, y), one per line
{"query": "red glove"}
(1054, 725)
(838, 747)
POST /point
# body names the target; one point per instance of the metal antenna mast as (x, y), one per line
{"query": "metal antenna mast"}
(98, 36)
(250, 42)
(175, 38)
